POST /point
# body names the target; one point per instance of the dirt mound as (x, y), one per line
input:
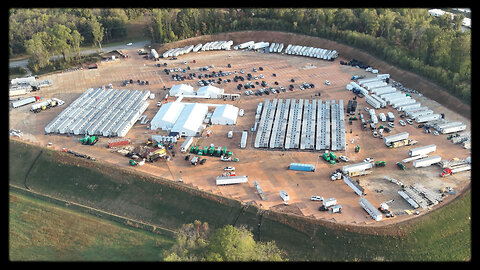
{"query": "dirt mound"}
(408, 79)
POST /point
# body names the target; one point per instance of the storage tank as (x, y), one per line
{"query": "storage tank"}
(395, 137)
(423, 150)
(425, 162)
(302, 167)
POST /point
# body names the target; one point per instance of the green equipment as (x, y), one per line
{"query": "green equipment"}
(89, 140)
(235, 159)
(400, 165)
(133, 162)
(229, 153)
(357, 149)
(326, 156)
(332, 156)
(380, 163)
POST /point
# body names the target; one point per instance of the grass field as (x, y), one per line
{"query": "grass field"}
(442, 235)
(42, 231)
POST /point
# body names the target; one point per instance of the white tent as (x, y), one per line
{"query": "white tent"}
(225, 115)
(181, 89)
(210, 91)
(190, 121)
(167, 116)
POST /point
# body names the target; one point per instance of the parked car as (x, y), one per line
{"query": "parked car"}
(409, 121)
(368, 160)
(229, 168)
(391, 124)
(402, 123)
(203, 161)
(367, 109)
(327, 82)
(316, 198)
(343, 158)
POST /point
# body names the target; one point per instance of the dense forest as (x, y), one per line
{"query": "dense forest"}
(410, 38)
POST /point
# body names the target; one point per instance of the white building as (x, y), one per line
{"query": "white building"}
(167, 116)
(190, 120)
(181, 89)
(209, 91)
(225, 115)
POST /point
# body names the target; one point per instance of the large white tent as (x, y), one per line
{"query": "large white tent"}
(167, 116)
(210, 91)
(225, 115)
(190, 121)
(181, 89)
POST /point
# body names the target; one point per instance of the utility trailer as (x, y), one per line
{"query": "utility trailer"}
(302, 167)
(404, 142)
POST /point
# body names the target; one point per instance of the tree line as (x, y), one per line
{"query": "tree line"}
(410, 38)
(42, 33)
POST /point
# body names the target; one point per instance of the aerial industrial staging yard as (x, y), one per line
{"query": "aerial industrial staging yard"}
(268, 167)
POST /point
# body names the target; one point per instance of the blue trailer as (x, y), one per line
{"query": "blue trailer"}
(302, 167)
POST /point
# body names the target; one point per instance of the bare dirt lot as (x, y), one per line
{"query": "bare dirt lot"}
(269, 168)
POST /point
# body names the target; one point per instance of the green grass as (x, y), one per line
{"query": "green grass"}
(442, 235)
(42, 231)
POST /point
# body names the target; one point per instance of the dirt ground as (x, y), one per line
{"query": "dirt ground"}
(269, 168)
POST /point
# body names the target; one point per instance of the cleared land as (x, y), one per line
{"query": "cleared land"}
(269, 168)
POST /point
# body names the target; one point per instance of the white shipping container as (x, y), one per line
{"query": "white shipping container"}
(453, 129)
(357, 167)
(230, 180)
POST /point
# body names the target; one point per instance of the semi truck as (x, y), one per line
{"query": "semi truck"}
(452, 170)
(186, 144)
(395, 137)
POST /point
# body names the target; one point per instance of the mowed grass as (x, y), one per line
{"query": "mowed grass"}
(442, 235)
(42, 231)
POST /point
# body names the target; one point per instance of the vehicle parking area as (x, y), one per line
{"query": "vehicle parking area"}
(268, 167)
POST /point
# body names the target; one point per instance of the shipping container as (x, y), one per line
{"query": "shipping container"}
(302, 167)
(329, 202)
(423, 150)
(425, 162)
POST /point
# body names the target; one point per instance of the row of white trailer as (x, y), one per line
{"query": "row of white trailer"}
(313, 52)
(209, 46)
(302, 124)
(100, 111)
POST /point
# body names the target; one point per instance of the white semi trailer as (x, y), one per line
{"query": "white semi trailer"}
(425, 162)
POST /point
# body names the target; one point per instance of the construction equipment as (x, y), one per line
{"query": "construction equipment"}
(380, 163)
(385, 209)
(357, 149)
(448, 190)
(401, 166)
(89, 140)
(404, 142)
